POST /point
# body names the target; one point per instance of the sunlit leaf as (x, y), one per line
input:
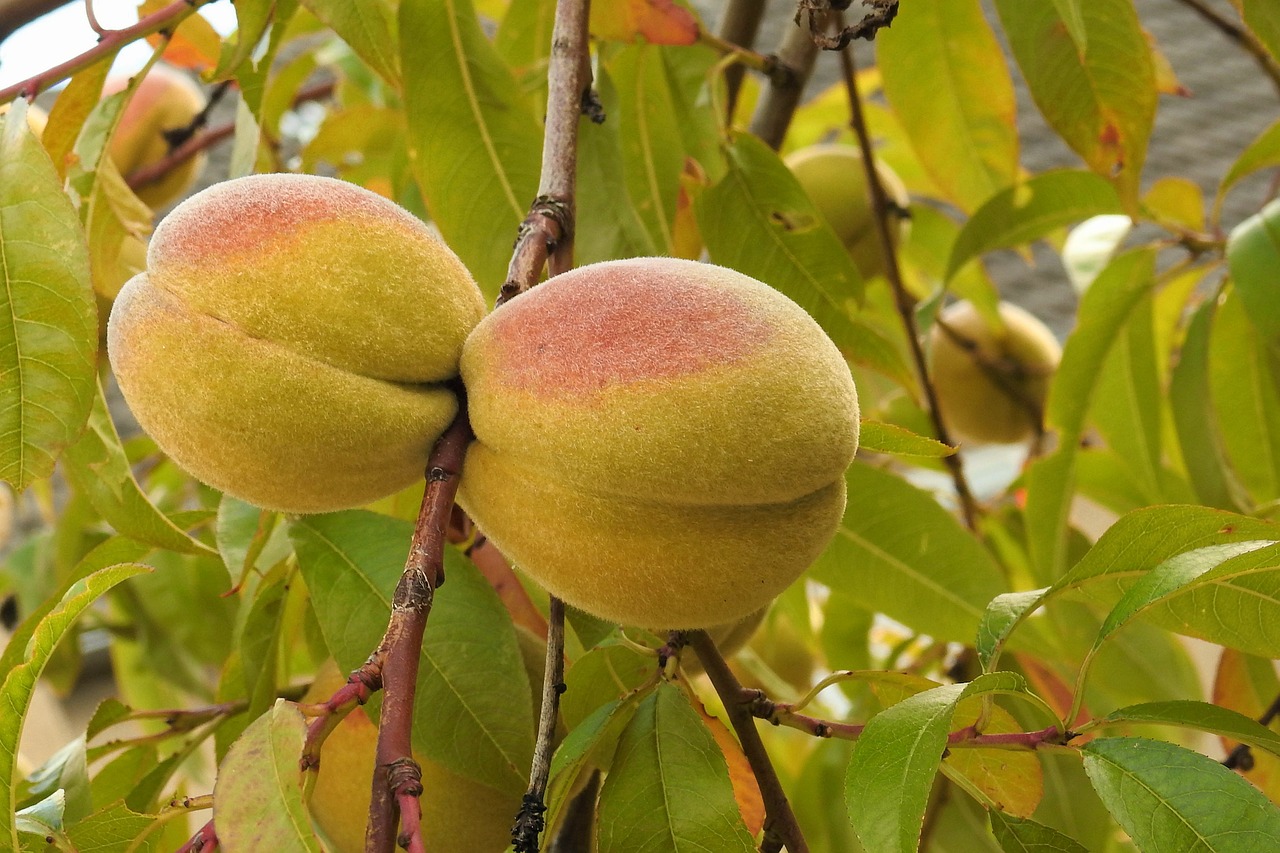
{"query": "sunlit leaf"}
(370, 29)
(1027, 212)
(1091, 245)
(962, 124)
(1098, 94)
(257, 800)
(473, 142)
(1169, 798)
(1253, 252)
(47, 347)
(888, 438)
(1263, 18)
(654, 21)
(1262, 153)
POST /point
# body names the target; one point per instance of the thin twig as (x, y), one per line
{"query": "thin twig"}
(397, 778)
(102, 31)
(1245, 39)
(902, 299)
(167, 18)
(780, 825)
(529, 823)
(738, 27)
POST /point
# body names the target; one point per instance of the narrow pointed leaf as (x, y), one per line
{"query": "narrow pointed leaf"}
(473, 141)
(370, 29)
(890, 438)
(1200, 716)
(48, 334)
(961, 125)
(1263, 17)
(669, 790)
(1169, 798)
(1253, 252)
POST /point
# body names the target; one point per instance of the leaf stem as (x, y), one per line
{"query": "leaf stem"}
(902, 299)
(780, 825)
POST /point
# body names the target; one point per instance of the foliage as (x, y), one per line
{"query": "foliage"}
(1024, 683)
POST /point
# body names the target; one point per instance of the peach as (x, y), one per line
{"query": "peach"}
(165, 100)
(835, 181)
(975, 406)
(293, 340)
(660, 442)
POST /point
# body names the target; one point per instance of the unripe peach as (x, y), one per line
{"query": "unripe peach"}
(292, 339)
(974, 404)
(165, 100)
(834, 179)
(660, 442)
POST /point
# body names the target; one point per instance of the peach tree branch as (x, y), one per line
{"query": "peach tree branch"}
(902, 299)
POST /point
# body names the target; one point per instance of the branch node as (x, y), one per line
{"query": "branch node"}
(413, 592)
(529, 824)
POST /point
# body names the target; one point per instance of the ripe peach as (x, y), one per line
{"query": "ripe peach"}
(165, 100)
(292, 341)
(660, 442)
(974, 405)
(833, 177)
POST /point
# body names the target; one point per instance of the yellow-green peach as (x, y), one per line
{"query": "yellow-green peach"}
(292, 340)
(165, 100)
(659, 442)
(975, 406)
(834, 179)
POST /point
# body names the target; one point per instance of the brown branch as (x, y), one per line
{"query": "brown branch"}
(780, 826)
(188, 142)
(1243, 38)
(529, 823)
(902, 299)
(397, 778)
(881, 15)
(204, 841)
(778, 102)
(167, 18)
(15, 14)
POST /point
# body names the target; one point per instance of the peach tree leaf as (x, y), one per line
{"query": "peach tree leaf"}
(49, 337)
(370, 29)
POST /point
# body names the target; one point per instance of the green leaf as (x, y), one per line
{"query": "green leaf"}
(258, 640)
(1091, 245)
(97, 467)
(474, 710)
(116, 828)
(669, 790)
(602, 676)
(1200, 716)
(1199, 437)
(1031, 210)
(252, 19)
(1263, 18)
(1004, 613)
(20, 680)
(1253, 252)
(44, 817)
(961, 125)
(899, 553)
(897, 756)
(589, 745)
(890, 438)
(473, 141)
(1022, 835)
(370, 29)
(1098, 93)
(48, 345)
(1262, 153)
(1244, 386)
(66, 771)
(652, 151)
(257, 800)
(608, 224)
(1128, 400)
(1169, 798)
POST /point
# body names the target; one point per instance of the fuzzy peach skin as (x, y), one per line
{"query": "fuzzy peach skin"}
(166, 99)
(659, 442)
(289, 341)
(973, 405)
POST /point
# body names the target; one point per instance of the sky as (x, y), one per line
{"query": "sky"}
(65, 33)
